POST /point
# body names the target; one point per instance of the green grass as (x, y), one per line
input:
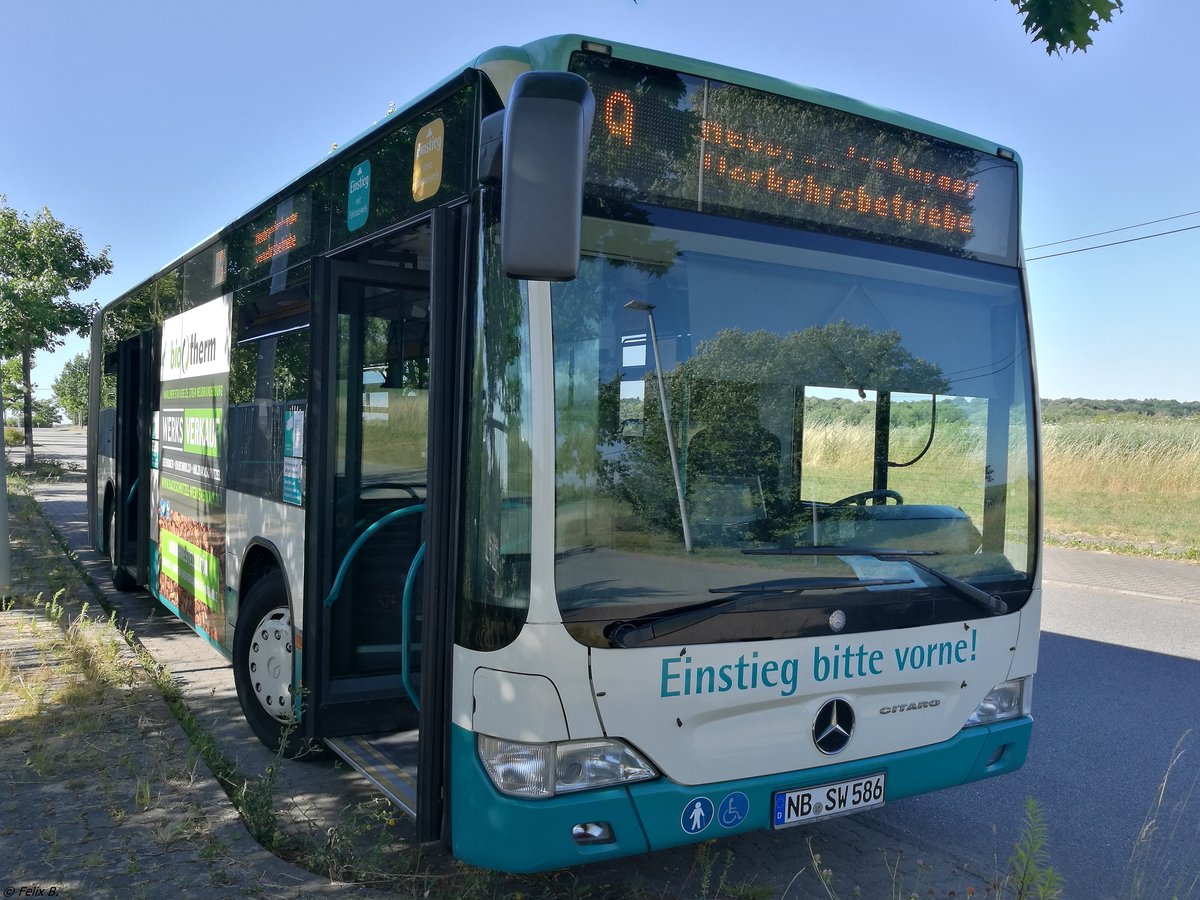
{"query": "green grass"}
(1132, 486)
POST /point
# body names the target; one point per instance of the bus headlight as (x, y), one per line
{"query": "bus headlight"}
(1007, 700)
(543, 770)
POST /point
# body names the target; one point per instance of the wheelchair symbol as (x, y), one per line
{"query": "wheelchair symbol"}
(733, 809)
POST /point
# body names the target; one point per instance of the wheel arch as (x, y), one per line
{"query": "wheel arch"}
(260, 559)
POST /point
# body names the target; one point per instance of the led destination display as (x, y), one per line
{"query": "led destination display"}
(284, 229)
(672, 139)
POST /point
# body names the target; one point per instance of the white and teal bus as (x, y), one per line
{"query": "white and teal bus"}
(604, 452)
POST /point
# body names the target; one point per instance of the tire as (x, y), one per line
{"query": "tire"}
(263, 650)
(121, 579)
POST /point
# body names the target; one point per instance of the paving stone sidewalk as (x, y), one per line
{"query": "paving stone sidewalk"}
(103, 794)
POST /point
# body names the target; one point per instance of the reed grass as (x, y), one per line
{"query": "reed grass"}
(1160, 457)
(394, 434)
(1130, 484)
(838, 460)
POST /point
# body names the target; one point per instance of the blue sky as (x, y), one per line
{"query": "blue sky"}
(149, 125)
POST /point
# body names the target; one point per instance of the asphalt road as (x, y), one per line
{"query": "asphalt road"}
(1117, 695)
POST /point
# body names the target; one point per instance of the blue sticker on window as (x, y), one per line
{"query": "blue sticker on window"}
(358, 196)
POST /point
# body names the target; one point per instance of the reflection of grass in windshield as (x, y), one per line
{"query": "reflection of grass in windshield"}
(1119, 482)
(394, 432)
(838, 462)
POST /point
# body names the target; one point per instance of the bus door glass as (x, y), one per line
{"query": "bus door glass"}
(126, 518)
(381, 424)
(376, 649)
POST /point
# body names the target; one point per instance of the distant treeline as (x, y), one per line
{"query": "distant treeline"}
(960, 409)
(1075, 409)
(952, 410)
(910, 413)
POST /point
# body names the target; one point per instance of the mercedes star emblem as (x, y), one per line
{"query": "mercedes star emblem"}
(833, 727)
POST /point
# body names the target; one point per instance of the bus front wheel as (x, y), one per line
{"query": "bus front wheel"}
(263, 656)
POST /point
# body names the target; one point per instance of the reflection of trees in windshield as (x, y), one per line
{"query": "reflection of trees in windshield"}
(836, 354)
(807, 395)
(738, 405)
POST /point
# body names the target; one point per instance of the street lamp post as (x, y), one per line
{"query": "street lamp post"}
(664, 403)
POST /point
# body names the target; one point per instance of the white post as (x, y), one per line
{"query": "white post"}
(5, 550)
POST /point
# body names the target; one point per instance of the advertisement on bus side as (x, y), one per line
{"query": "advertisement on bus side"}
(189, 442)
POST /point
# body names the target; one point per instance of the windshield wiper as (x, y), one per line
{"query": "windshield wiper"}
(796, 585)
(635, 632)
(990, 603)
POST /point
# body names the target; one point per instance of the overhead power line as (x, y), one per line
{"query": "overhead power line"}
(1084, 237)
(1144, 237)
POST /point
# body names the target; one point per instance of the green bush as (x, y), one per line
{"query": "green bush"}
(13, 437)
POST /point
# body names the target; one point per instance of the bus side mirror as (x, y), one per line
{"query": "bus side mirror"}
(547, 126)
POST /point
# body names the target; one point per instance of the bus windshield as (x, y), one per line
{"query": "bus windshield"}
(729, 397)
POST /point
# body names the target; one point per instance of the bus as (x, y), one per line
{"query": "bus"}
(604, 452)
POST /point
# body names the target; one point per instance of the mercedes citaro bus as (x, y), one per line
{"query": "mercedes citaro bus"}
(606, 451)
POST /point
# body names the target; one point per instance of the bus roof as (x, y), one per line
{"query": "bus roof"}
(555, 52)
(503, 63)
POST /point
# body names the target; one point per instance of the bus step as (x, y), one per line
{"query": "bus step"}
(388, 761)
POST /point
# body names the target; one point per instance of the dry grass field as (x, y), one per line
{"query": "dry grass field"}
(1130, 484)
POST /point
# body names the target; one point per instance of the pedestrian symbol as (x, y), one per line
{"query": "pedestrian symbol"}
(697, 813)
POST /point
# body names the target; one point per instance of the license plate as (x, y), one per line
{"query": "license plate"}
(828, 800)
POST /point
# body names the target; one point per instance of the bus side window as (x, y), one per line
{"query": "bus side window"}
(268, 380)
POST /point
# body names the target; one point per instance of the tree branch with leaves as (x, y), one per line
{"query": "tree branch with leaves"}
(1066, 24)
(42, 262)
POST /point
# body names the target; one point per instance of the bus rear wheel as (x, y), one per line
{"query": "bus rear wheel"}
(263, 656)
(121, 579)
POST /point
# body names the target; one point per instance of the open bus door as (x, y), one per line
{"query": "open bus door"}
(126, 513)
(383, 510)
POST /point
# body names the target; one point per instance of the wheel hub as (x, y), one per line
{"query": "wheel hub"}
(270, 664)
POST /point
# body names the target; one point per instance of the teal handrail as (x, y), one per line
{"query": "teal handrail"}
(405, 618)
(409, 581)
(338, 582)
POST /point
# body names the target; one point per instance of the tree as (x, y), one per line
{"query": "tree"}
(71, 388)
(1065, 24)
(42, 262)
(46, 413)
